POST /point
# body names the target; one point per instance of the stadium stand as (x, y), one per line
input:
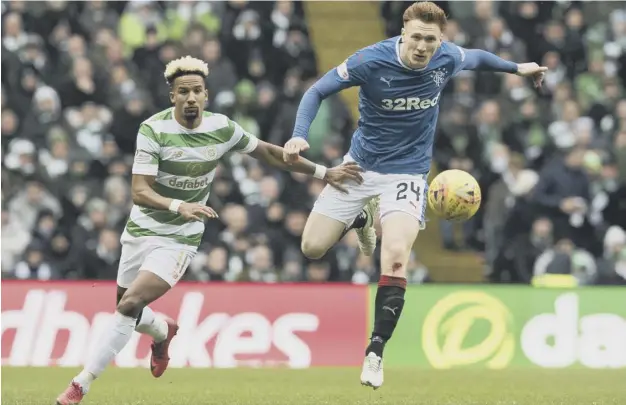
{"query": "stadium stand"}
(79, 77)
(550, 163)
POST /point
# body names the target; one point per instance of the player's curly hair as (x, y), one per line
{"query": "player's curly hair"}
(185, 66)
(427, 12)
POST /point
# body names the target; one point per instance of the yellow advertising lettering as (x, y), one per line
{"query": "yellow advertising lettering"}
(451, 319)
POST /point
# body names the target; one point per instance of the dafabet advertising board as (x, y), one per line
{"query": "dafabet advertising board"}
(506, 326)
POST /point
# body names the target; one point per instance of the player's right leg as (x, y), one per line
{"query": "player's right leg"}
(320, 233)
(399, 231)
(162, 267)
(335, 214)
(402, 216)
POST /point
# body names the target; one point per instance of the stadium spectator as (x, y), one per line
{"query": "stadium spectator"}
(34, 266)
(565, 258)
(612, 265)
(210, 267)
(515, 258)
(15, 238)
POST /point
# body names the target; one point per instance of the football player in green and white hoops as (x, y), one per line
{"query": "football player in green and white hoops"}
(177, 153)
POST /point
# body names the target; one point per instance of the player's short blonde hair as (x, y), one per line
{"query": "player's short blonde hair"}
(185, 66)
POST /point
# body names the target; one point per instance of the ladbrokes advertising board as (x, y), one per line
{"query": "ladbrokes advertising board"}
(298, 326)
(221, 325)
(506, 326)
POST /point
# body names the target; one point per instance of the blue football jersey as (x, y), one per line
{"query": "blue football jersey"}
(398, 105)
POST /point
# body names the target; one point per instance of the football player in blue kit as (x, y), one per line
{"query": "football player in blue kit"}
(400, 80)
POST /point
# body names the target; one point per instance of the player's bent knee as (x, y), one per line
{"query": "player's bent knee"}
(130, 305)
(395, 253)
(313, 250)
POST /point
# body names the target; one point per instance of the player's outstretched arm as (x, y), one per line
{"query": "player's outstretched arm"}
(335, 176)
(307, 110)
(477, 59)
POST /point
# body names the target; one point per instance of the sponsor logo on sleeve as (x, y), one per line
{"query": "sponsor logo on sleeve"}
(342, 70)
(142, 157)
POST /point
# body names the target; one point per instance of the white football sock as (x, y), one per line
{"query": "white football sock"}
(109, 345)
(152, 325)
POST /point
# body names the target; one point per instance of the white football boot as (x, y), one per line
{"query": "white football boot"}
(372, 373)
(367, 234)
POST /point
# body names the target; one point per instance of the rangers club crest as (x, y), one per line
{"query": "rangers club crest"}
(439, 76)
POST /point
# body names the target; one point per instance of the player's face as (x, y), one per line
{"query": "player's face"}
(419, 42)
(189, 96)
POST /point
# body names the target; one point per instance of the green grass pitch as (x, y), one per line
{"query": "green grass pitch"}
(39, 386)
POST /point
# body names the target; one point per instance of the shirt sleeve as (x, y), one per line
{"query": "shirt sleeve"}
(245, 142)
(146, 161)
(354, 71)
(477, 59)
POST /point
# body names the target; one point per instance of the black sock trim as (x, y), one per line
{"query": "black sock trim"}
(139, 317)
(360, 221)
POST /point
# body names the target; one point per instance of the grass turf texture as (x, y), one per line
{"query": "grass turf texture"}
(40, 386)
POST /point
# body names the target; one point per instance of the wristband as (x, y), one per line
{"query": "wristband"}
(320, 172)
(174, 205)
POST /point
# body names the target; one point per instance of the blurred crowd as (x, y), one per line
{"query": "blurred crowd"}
(79, 77)
(551, 162)
(77, 80)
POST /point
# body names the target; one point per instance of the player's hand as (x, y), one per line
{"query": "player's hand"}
(336, 176)
(292, 149)
(196, 212)
(532, 70)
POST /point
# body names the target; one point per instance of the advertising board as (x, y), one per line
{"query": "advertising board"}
(305, 325)
(221, 325)
(507, 326)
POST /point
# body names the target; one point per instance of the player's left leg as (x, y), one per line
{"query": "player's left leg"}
(159, 328)
(402, 209)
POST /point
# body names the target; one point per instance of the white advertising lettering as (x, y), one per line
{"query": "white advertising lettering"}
(25, 322)
(43, 315)
(55, 319)
(596, 341)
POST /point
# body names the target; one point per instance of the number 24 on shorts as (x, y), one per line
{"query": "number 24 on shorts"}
(405, 187)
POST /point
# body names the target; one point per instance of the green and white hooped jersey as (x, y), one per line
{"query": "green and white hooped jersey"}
(184, 162)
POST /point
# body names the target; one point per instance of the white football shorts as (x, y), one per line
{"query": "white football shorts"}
(162, 256)
(398, 193)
